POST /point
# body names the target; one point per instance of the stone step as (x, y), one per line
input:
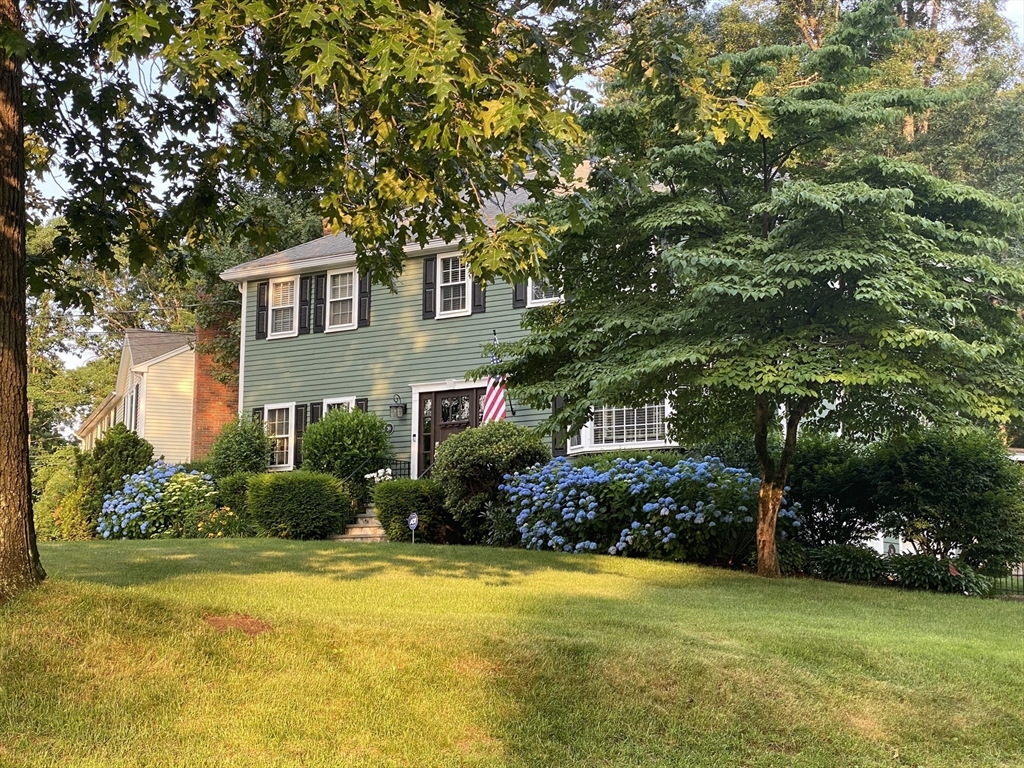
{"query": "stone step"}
(364, 530)
(367, 520)
(361, 539)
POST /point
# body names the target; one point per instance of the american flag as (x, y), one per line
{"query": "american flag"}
(494, 395)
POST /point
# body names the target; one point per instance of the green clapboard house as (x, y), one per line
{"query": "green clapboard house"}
(317, 335)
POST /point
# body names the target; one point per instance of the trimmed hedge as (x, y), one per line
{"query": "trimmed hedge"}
(471, 465)
(233, 493)
(395, 500)
(299, 505)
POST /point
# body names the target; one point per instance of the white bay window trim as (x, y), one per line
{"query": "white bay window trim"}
(540, 293)
(282, 455)
(339, 300)
(453, 283)
(613, 429)
(283, 308)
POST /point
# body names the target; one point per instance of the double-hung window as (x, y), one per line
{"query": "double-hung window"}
(613, 428)
(453, 287)
(341, 300)
(279, 421)
(346, 403)
(283, 310)
(540, 292)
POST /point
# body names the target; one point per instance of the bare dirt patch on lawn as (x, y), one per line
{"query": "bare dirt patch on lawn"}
(250, 625)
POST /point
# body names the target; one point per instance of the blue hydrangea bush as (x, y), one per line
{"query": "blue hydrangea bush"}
(162, 501)
(695, 510)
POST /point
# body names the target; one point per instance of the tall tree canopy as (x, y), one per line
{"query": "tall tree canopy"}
(789, 274)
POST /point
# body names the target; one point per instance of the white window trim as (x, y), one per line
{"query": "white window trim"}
(468, 283)
(291, 434)
(349, 401)
(294, 280)
(532, 302)
(587, 440)
(355, 302)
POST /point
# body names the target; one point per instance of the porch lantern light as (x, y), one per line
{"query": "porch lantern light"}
(397, 408)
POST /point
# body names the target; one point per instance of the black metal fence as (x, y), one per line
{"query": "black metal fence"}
(1012, 585)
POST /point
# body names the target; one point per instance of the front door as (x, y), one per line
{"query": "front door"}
(443, 414)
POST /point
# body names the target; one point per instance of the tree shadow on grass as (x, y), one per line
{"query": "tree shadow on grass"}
(136, 562)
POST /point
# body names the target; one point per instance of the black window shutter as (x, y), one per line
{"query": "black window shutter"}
(429, 287)
(363, 404)
(519, 296)
(305, 291)
(300, 430)
(479, 298)
(316, 411)
(364, 301)
(319, 302)
(257, 415)
(262, 300)
(558, 443)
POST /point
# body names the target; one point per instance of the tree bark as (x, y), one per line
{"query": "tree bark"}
(19, 559)
(773, 477)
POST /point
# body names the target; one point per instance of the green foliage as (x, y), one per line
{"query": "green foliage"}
(793, 557)
(937, 575)
(830, 482)
(471, 465)
(846, 562)
(242, 446)
(53, 479)
(299, 505)
(117, 454)
(800, 275)
(395, 500)
(232, 493)
(188, 502)
(348, 444)
(75, 515)
(952, 495)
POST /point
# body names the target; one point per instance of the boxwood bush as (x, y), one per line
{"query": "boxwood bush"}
(348, 444)
(395, 500)
(471, 465)
(299, 505)
(242, 446)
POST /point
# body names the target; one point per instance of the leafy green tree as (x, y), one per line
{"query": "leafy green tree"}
(404, 117)
(791, 278)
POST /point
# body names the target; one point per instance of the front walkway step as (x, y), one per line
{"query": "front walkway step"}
(366, 528)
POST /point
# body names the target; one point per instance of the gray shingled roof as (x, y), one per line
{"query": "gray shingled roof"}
(341, 245)
(149, 345)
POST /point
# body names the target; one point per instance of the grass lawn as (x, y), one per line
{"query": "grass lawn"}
(394, 655)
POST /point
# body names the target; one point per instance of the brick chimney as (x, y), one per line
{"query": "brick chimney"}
(214, 404)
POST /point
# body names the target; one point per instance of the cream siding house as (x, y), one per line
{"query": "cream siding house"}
(153, 396)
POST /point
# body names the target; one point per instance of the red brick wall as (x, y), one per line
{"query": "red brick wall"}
(213, 404)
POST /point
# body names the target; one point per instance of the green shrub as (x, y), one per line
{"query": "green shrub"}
(242, 446)
(188, 501)
(202, 466)
(846, 562)
(395, 500)
(299, 505)
(232, 492)
(53, 481)
(930, 573)
(75, 515)
(952, 496)
(830, 483)
(792, 557)
(161, 501)
(348, 444)
(471, 465)
(117, 455)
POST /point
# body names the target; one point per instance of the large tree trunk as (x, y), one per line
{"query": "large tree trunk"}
(773, 477)
(19, 559)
